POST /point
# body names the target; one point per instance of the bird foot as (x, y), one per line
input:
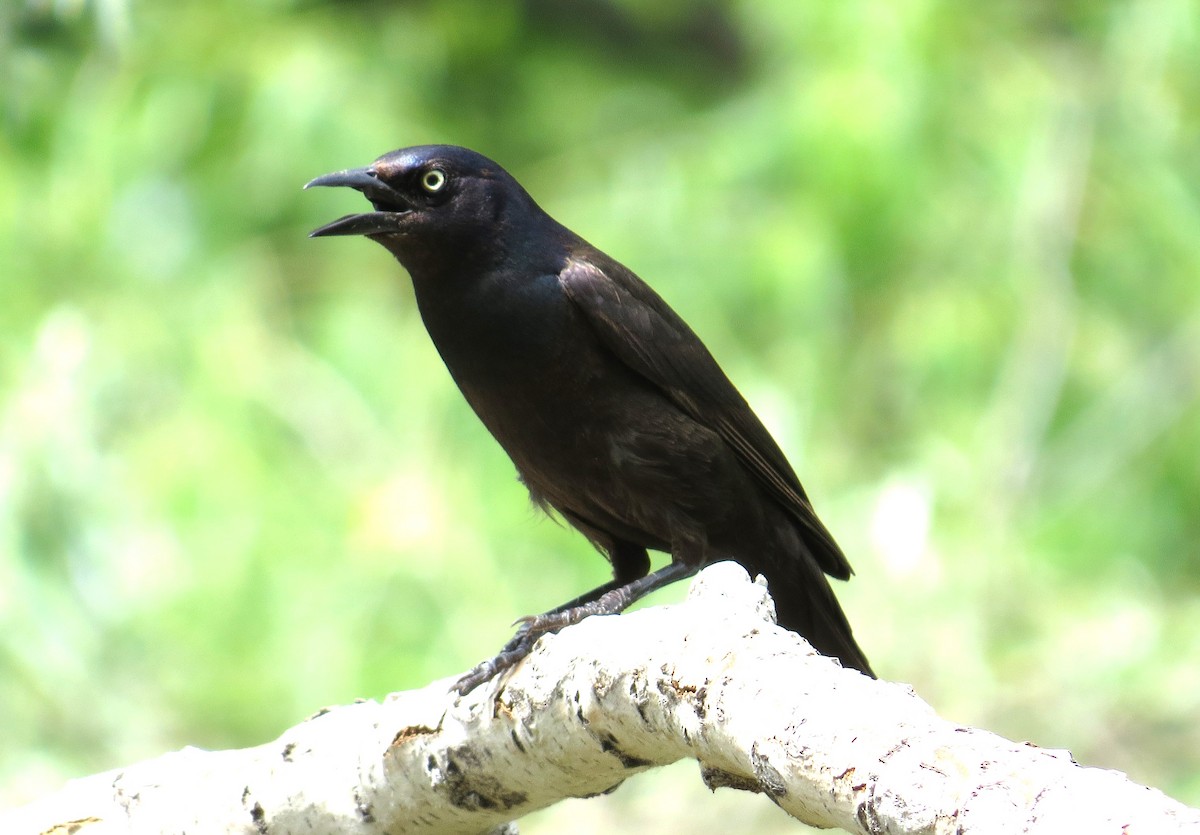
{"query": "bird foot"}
(609, 603)
(510, 655)
(533, 627)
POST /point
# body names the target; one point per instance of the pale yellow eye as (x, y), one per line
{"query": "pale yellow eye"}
(433, 180)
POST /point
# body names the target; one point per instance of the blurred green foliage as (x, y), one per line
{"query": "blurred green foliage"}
(950, 251)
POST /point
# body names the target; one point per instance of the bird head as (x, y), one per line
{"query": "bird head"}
(431, 203)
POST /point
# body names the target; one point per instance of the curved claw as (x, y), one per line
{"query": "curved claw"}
(514, 653)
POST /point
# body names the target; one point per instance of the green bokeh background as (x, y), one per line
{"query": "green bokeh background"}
(949, 251)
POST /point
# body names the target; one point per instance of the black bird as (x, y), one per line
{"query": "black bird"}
(611, 408)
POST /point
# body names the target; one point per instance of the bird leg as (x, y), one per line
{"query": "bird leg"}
(609, 599)
(608, 602)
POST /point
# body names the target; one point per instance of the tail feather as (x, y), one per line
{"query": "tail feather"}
(811, 609)
(805, 603)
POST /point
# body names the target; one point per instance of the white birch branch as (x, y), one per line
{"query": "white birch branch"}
(711, 678)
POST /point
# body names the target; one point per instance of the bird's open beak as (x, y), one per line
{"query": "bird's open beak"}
(389, 204)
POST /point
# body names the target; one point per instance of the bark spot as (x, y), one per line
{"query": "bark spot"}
(259, 816)
(365, 812)
(768, 776)
(609, 745)
(458, 778)
(405, 735)
(717, 778)
(868, 816)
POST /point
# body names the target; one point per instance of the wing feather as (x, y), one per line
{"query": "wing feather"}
(638, 327)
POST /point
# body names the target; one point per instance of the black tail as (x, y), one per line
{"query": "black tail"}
(805, 603)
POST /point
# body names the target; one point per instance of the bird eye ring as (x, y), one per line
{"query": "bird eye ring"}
(433, 180)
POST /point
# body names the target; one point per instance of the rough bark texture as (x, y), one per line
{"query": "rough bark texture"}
(712, 679)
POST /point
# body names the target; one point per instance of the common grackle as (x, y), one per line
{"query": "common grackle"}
(613, 411)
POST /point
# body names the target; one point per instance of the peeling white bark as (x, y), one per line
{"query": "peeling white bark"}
(711, 678)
